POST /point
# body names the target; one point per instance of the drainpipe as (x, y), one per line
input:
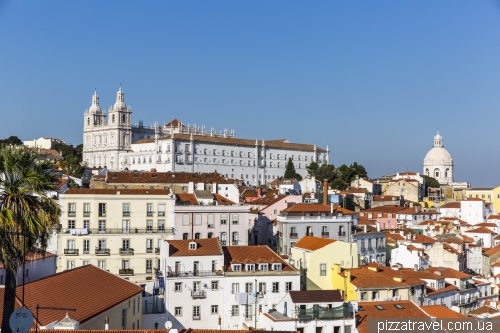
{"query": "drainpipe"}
(106, 325)
(255, 310)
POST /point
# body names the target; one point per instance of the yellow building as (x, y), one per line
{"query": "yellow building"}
(488, 194)
(313, 256)
(373, 282)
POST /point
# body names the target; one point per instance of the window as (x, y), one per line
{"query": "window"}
(71, 209)
(262, 287)
(149, 225)
(102, 209)
(276, 267)
(126, 209)
(178, 287)
(178, 311)
(70, 264)
(71, 224)
(363, 296)
(237, 267)
(149, 209)
(263, 267)
(250, 267)
(185, 236)
(223, 238)
(149, 245)
(86, 246)
(197, 219)
(86, 224)
(84, 263)
(125, 244)
(185, 219)
(102, 226)
(235, 310)
(197, 235)
(215, 285)
(215, 309)
(223, 219)
(276, 287)
(149, 265)
(248, 312)
(210, 235)
(288, 286)
(235, 288)
(374, 294)
(161, 210)
(235, 218)
(322, 269)
(133, 307)
(235, 238)
(192, 246)
(101, 264)
(210, 220)
(248, 287)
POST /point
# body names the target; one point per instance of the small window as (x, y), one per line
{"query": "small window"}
(215, 285)
(178, 311)
(215, 309)
(192, 246)
(237, 267)
(398, 306)
(178, 286)
(380, 307)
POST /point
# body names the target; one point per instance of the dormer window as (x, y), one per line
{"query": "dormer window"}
(250, 267)
(192, 245)
(276, 267)
(236, 267)
(263, 267)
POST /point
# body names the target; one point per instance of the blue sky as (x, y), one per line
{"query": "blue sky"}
(374, 80)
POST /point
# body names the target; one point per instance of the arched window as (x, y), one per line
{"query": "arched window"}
(113, 119)
(446, 173)
(124, 119)
(197, 235)
(222, 238)
(235, 238)
(88, 121)
(210, 235)
(436, 173)
(427, 172)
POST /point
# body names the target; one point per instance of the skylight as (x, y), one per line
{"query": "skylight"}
(399, 306)
(360, 308)
(380, 307)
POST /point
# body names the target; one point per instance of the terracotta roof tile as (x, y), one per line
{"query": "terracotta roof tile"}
(316, 296)
(439, 311)
(87, 298)
(364, 277)
(186, 198)
(383, 198)
(481, 230)
(451, 273)
(165, 178)
(252, 254)
(95, 191)
(316, 207)
(313, 243)
(452, 204)
(493, 250)
(204, 247)
(221, 200)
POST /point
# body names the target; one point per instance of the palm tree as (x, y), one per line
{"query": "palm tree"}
(28, 214)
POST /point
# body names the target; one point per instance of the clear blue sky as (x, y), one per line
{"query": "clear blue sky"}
(372, 79)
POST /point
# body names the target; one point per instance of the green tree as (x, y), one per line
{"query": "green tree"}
(312, 168)
(358, 170)
(327, 171)
(346, 172)
(431, 182)
(290, 171)
(338, 184)
(26, 208)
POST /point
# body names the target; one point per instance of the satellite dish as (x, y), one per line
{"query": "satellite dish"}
(21, 320)
(168, 325)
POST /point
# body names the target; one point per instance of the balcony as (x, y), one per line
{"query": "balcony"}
(86, 214)
(195, 273)
(342, 233)
(210, 226)
(198, 294)
(325, 234)
(309, 234)
(102, 252)
(149, 214)
(71, 214)
(363, 249)
(159, 230)
(235, 242)
(149, 250)
(381, 247)
(128, 251)
(161, 213)
(126, 214)
(86, 251)
(465, 301)
(157, 250)
(71, 252)
(126, 271)
(102, 214)
(370, 248)
(223, 242)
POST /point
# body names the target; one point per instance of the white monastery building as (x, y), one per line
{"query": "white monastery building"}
(110, 140)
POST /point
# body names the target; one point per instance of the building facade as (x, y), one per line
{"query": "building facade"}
(110, 139)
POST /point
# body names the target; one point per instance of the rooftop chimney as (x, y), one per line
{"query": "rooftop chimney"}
(364, 227)
(325, 192)
(378, 226)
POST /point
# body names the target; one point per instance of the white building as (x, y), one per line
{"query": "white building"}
(37, 265)
(45, 143)
(409, 257)
(110, 139)
(438, 162)
(206, 282)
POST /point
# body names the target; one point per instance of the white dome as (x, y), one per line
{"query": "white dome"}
(438, 156)
(95, 103)
(120, 101)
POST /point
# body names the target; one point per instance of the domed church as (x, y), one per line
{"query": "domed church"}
(438, 162)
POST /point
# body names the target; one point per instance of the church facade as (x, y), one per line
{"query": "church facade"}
(110, 140)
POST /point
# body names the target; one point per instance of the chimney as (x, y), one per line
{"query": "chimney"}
(378, 226)
(325, 192)
(106, 323)
(364, 227)
(214, 188)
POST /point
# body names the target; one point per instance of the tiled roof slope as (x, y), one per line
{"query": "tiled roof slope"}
(252, 255)
(439, 311)
(204, 247)
(279, 144)
(313, 243)
(98, 191)
(88, 289)
(165, 177)
(316, 296)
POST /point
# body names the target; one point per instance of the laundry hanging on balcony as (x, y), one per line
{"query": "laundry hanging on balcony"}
(245, 298)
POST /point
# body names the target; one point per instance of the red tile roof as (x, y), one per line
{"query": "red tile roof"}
(165, 178)
(316, 296)
(453, 204)
(481, 230)
(252, 255)
(221, 200)
(439, 311)
(187, 198)
(451, 273)
(98, 191)
(88, 289)
(313, 243)
(204, 247)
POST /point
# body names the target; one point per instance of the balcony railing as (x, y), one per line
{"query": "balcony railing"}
(463, 302)
(325, 234)
(198, 294)
(195, 273)
(86, 251)
(370, 248)
(102, 252)
(157, 250)
(86, 214)
(149, 214)
(381, 247)
(149, 250)
(309, 234)
(293, 235)
(71, 214)
(126, 271)
(123, 230)
(126, 214)
(128, 251)
(363, 249)
(71, 252)
(341, 233)
(223, 242)
(161, 213)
